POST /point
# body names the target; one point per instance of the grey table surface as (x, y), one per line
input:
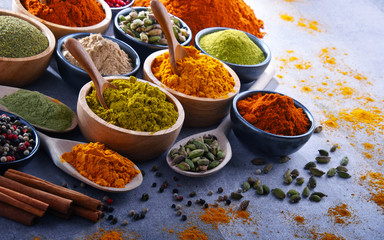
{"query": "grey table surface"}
(352, 33)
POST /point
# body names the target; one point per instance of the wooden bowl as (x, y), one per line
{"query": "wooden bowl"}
(19, 72)
(61, 30)
(137, 146)
(199, 112)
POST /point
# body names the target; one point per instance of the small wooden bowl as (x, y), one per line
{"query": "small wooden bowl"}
(19, 72)
(61, 30)
(199, 112)
(137, 146)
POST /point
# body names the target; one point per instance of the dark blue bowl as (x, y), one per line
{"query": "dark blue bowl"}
(246, 73)
(77, 77)
(263, 143)
(144, 49)
(23, 161)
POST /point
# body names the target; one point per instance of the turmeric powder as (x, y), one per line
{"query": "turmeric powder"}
(196, 76)
(101, 165)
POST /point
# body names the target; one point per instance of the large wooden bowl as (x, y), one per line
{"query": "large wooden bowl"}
(199, 112)
(61, 30)
(137, 146)
(19, 72)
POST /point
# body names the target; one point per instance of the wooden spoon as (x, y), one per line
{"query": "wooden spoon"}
(56, 147)
(80, 54)
(4, 90)
(176, 51)
(221, 131)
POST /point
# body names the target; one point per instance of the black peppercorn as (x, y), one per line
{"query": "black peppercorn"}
(206, 205)
(220, 190)
(154, 184)
(175, 190)
(228, 202)
(110, 217)
(189, 203)
(173, 205)
(114, 220)
(184, 217)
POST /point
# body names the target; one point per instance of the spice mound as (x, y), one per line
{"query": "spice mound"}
(135, 106)
(232, 46)
(108, 57)
(143, 26)
(198, 154)
(274, 113)
(72, 13)
(101, 165)
(38, 109)
(200, 75)
(16, 140)
(19, 38)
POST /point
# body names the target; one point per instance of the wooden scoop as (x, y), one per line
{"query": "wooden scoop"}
(176, 51)
(80, 54)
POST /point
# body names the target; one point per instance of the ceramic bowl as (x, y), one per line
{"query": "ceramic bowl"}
(61, 30)
(263, 143)
(19, 72)
(77, 77)
(23, 161)
(199, 112)
(144, 49)
(246, 73)
(137, 146)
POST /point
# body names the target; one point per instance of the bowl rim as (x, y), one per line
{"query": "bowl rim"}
(260, 43)
(37, 140)
(147, 68)
(258, 130)
(61, 41)
(105, 21)
(178, 124)
(122, 7)
(44, 29)
(139, 9)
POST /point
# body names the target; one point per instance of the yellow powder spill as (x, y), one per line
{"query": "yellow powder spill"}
(368, 146)
(376, 187)
(346, 91)
(306, 89)
(287, 17)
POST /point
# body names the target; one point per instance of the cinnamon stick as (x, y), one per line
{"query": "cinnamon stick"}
(24, 198)
(55, 202)
(21, 205)
(35, 182)
(94, 216)
(17, 214)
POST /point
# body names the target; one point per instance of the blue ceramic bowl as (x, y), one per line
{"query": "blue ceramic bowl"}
(246, 73)
(77, 77)
(263, 143)
(23, 161)
(144, 49)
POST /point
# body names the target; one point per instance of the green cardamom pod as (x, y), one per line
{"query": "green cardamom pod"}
(184, 166)
(316, 172)
(323, 152)
(246, 186)
(210, 156)
(213, 164)
(190, 163)
(295, 198)
(300, 180)
(341, 169)
(288, 180)
(305, 192)
(318, 129)
(309, 165)
(258, 182)
(314, 198)
(259, 190)
(251, 181)
(334, 148)
(267, 168)
(191, 146)
(244, 205)
(344, 174)
(320, 194)
(236, 195)
(220, 155)
(178, 159)
(284, 159)
(277, 192)
(312, 182)
(258, 161)
(266, 189)
(292, 192)
(331, 172)
(196, 153)
(287, 173)
(202, 161)
(344, 161)
(323, 159)
(295, 173)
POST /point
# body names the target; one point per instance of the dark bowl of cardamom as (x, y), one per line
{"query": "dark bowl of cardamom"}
(26, 48)
(138, 27)
(245, 53)
(19, 141)
(111, 56)
(270, 124)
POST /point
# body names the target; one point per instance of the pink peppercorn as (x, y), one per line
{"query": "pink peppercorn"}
(109, 201)
(117, 3)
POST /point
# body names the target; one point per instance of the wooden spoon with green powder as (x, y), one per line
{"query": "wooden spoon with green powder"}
(43, 112)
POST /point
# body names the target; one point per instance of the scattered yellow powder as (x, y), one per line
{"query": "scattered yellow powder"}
(376, 185)
(346, 91)
(368, 145)
(306, 89)
(287, 17)
(279, 76)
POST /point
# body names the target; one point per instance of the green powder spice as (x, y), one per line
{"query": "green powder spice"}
(38, 109)
(134, 105)
(232, 46)
(18, 38)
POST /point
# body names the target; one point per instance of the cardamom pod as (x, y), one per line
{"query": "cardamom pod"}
(190, 163)
(323, 152)
(295, 198)
(287, 173)
(288, 180)
(314, 198)
(184, 166)
(244, 205)
(259, 190)
(305, 192)
(323, 159)
(344, 161)
(178, 159)
(318, 129)
(292, 192)
(246, 186)
(268, 168)
(295, 173)
(266, 189)
(320, 194)
(334, 148)
(258, 161)
(277, 192)
(344, 174)
(213, 164)
(312, 182)
(251, 181)
(316, 172)
(236, 195)
(331, 172)
(284, 159)
(196, 153)
(202, 161)
(300, 180)
(341, 169)
(309, 165)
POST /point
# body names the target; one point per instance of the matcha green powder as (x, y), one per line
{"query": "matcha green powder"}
(18, 38)
(232, 46)
(38, 109)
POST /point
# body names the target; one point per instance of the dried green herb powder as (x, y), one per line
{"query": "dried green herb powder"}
(18, 38)
(38, 109)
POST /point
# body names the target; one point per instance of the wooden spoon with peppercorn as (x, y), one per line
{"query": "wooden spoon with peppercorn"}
(80, 54)
(176, 51)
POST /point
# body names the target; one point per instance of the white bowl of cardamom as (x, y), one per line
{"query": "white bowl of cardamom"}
(26, 47)
(142, 122)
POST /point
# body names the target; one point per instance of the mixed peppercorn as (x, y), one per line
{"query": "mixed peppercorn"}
(117, 3)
